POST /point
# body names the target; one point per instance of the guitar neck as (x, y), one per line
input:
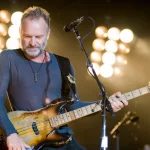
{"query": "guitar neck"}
(136, 93)
(67, 117)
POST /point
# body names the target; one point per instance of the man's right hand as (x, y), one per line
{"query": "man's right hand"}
(14, 142)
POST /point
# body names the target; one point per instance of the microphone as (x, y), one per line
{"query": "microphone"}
(70, 26)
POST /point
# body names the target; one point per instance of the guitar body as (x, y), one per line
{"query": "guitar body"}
(33, 126)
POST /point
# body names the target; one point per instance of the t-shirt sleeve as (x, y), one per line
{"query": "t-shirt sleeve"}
(5, 123)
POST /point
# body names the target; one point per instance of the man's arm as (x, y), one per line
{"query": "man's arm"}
(13, 140)
(5, 123)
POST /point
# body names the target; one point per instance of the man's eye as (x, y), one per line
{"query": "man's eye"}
(38, 37)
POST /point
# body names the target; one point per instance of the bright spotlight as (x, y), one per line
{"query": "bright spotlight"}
(117, 71)
(4, 16)
(101, 32)
(106, 71)
(95, 56)
(114, 33)
(109, 58)
(111, 46)
(12, 43)
(98, 44)
(126, 35)
(3, 29)
(16, 18)
(13, 31)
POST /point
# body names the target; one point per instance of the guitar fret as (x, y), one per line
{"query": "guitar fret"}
(94, 108)
(98, 107)
(89, 110)
(80, 112)
(62, 118)
(143, 90)
(76, 114)
(65, 117)
(122, 97)
(56, 121)
(147, 89)
(128, 95)
(136, 93)
(84, 111)
(68, 116)
(72, 115)
(52, 121)
(59, 120)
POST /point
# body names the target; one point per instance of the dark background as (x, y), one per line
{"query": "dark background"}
(123, 14)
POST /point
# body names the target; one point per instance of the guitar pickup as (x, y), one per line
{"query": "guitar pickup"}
(35, 129)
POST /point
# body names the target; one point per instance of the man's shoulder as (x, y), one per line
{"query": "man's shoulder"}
(10, 51)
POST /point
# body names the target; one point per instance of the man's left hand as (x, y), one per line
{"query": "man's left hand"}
(116, 103)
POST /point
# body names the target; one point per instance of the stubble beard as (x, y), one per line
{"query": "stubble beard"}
(35, 53)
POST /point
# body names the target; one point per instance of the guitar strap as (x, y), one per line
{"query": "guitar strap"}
(68, 79)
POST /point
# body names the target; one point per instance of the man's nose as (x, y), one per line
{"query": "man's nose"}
(33, 41)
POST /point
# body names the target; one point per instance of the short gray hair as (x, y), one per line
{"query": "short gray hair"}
(36, 12)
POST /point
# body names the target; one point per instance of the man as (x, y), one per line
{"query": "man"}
(33, 77)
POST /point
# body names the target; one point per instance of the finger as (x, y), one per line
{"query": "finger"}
(125, 102)
(117, 94)
(115, 109)
(22, 145)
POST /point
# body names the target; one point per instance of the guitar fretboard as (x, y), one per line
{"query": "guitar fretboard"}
(67, 117)
(136, 93)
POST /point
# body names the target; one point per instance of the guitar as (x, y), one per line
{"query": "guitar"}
(35, 127)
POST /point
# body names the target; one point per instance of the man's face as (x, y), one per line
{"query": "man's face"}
(34, 34)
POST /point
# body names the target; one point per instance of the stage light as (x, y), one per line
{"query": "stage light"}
(98, 44)
(126, 36)
(111, 46)
(114, 33)
(109, 58)
(95, 56)
(101, 32)
(117, 71)
(3, 29)
(106, 70)
(4, 16)
(111, 43)
(12, 43)
(16, 18)
(127, 50)
(13, 31)
(125, 62)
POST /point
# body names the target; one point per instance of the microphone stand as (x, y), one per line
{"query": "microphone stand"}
(105, 102)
